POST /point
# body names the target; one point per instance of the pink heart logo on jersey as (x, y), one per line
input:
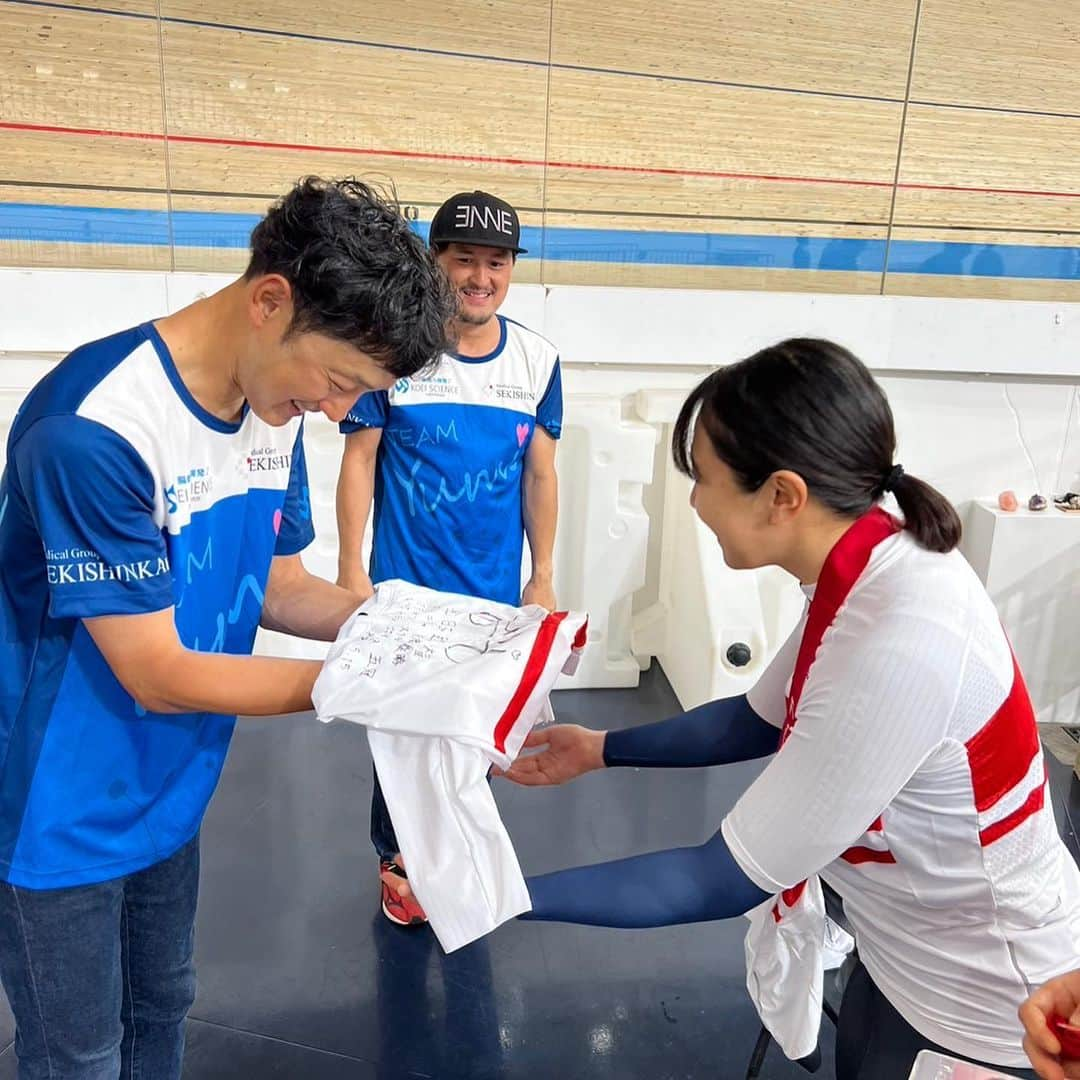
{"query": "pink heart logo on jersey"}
(522, 433)
(277, 522)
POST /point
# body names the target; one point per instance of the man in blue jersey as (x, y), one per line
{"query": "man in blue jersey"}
(460, 463)
(152, 512)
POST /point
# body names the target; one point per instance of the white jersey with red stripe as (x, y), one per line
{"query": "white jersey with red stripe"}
(914, 783)
(448, 685)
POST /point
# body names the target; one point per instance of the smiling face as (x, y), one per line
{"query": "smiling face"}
(283, 375)
(314, 373)
(739, 519)
(480, 277)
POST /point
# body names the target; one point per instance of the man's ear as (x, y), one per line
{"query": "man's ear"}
(270, 301)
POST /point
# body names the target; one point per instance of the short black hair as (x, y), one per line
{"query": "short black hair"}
(812, 407)
(358, 272)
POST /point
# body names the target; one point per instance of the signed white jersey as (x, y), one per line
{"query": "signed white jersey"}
(447, 686)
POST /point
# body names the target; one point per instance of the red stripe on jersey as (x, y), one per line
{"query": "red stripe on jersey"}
(858, 855)
(790, 898)
(844, 564)
(1032, 805)
(581, 636)
(1000, 754)
(534, 668)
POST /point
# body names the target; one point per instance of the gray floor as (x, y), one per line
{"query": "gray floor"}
(300, 977)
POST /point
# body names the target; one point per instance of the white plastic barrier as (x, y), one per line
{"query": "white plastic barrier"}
(601, 551)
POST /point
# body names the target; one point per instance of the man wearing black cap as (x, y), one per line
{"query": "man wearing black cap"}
(460, 462)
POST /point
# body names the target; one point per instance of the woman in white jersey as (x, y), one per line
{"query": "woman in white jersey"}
(907, 771)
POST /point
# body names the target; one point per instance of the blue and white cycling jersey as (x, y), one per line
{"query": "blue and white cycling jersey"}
(122, 495)
(448, 494)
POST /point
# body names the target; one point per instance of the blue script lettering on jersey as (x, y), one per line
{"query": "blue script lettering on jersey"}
(472, 485)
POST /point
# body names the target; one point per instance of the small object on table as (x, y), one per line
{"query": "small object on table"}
(1069, 503)
(1068, 1035)
(1037, 502)
(1007, 501)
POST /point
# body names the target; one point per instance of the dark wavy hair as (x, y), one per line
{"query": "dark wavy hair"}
(810, 406)
(358, 272)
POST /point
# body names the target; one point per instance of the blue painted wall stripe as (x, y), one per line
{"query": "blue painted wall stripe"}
(200, 229)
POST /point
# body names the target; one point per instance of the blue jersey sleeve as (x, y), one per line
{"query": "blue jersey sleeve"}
(91, 498)
(716, 733)
(664, 888)
(297, 530)
(549, 411)
(371, 410)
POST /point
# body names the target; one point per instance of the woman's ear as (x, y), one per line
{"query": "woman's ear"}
(788, 495)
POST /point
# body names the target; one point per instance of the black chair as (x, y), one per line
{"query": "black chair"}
(834, 981)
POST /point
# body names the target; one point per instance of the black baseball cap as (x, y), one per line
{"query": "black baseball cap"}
(475, 217)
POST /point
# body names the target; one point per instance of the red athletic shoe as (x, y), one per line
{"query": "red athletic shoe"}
(400, 910)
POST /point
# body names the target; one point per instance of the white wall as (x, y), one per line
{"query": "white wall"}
(983, 393)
